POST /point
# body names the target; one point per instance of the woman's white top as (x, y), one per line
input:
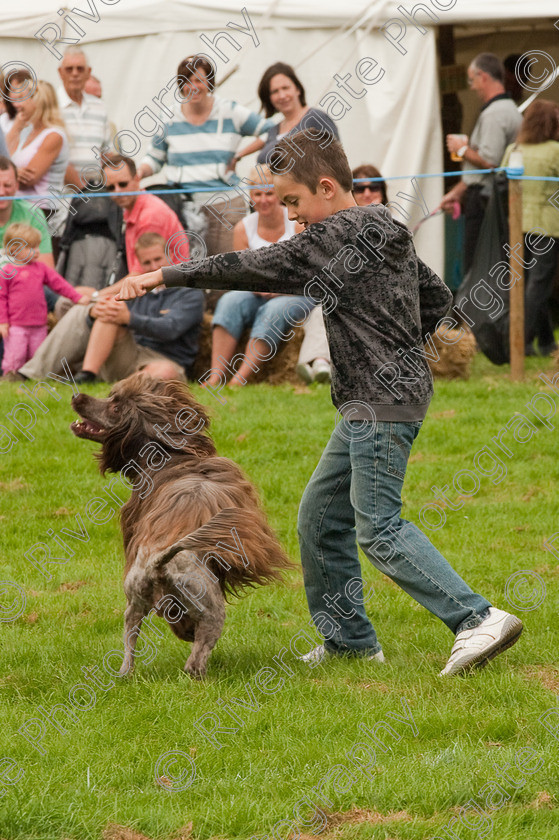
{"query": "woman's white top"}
(54, 176)
(255, 241)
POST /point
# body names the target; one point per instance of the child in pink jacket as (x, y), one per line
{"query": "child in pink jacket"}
(23, 308)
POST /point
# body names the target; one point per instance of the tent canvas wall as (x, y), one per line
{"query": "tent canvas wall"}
(392, 120)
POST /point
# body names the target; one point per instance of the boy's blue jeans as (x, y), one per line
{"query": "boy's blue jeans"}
(354, 497)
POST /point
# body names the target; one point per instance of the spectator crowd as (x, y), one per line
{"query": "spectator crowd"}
(66, 251)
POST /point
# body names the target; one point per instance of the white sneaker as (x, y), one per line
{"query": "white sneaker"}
(475, 647)
(305, 372)
(317, 655)
(321, 370)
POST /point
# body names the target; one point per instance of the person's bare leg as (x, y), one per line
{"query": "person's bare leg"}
(256, 350)
(101, 342)
(223, 349)
(162, 370)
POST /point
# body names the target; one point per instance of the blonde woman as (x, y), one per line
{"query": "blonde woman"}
(41, 153)
(270, 316)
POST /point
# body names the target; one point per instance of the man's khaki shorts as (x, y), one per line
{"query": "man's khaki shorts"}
(128, 357)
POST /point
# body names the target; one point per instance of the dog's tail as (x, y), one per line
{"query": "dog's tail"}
(237, 547)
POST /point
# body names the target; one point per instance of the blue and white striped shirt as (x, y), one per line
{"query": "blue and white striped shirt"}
(197, 155)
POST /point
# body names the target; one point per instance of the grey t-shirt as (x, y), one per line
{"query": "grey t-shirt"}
(379, 302)
(495, 129)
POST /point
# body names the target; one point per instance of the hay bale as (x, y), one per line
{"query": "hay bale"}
(455, 360)
(281, 368)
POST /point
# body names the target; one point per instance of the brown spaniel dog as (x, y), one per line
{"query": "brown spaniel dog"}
(193, 528)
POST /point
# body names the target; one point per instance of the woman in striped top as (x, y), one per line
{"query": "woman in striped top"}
(200, 141)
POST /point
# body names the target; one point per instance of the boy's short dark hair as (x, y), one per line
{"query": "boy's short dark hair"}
(307, 160)
(113, 162)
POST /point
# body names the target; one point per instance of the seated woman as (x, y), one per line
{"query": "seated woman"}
(270, 315)
(281, 92)
(314, 356)
(38, 144)
(373, 192)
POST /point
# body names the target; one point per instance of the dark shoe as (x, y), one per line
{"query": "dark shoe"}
(85, 376)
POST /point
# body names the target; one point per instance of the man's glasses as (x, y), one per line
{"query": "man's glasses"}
(80, 69)
(360, 188)
(120, 184)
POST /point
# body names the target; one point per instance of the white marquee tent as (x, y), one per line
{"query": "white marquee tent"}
(134, 47)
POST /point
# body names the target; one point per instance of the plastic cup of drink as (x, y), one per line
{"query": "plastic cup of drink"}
(463, 138)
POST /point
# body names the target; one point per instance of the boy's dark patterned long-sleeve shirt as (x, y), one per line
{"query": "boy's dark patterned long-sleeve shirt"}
(380, 301)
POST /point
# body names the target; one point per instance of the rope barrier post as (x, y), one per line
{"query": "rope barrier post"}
(516, 301)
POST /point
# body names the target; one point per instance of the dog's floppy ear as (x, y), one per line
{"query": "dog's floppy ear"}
(184, 416)
(179, 395)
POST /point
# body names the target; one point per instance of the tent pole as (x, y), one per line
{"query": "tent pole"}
(516, 238)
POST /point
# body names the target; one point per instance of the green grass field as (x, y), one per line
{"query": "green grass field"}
(465, 758)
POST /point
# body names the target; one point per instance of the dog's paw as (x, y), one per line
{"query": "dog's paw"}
(194, 672)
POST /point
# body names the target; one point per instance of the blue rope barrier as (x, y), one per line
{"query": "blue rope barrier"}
(181, 190)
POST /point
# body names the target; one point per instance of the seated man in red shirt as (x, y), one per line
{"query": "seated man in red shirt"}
(143, 213)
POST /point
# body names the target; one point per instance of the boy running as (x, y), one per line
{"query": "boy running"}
(379, 301)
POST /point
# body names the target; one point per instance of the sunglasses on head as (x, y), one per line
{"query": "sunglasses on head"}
(360, 188)
(121, 184)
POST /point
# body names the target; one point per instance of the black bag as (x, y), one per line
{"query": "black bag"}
(173, 200)
(101, 217)
(194, 222)
(491, 333)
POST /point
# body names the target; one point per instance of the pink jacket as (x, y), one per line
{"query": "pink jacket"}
(22, 299)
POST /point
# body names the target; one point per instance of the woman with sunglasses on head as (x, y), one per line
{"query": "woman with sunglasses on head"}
(200, 141)
(281, 92)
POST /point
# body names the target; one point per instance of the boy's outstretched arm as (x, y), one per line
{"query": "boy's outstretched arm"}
(136, 286)
(285, 267)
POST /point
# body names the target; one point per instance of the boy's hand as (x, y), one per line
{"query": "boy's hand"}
(133, 287)
(4, 330)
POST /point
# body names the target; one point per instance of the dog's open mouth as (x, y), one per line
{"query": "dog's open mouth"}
(88, 429)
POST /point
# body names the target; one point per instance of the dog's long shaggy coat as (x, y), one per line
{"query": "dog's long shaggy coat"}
(193, 529)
